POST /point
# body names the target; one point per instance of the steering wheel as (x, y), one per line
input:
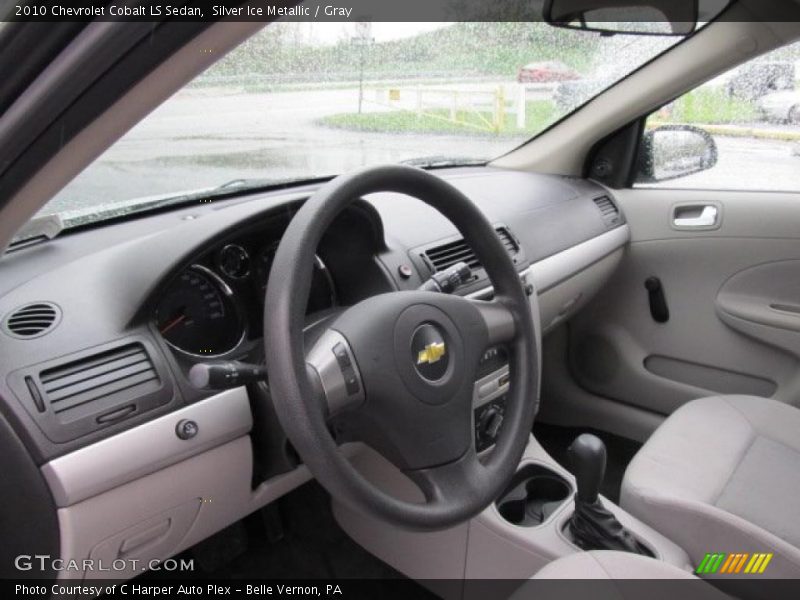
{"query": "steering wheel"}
(397, 370)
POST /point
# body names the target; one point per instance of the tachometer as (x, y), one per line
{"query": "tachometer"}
(198, 315)
(322, 294)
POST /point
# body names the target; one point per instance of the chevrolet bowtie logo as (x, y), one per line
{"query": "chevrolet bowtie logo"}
(431, 354)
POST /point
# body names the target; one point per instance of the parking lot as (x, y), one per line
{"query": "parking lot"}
(208, 136)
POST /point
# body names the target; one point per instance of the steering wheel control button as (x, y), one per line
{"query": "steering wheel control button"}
(337, 373)
(429, 352)
(186, 429)
(350, 381)
(342, 357)
(346, 366)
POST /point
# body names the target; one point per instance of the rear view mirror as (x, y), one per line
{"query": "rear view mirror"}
(636, 17)
(674, 151)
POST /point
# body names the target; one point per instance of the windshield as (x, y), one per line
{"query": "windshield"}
(309, 100)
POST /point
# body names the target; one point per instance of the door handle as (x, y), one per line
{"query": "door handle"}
(705, 216)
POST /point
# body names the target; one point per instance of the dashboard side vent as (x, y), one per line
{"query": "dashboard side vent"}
(124, 370)
(511, 244)
(608, 210)
(32, 320)
(446, 255)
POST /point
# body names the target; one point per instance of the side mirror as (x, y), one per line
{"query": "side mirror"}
(673, 151)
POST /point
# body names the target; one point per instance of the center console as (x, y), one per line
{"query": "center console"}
(489, 397)
(527, 527)
(534, 494)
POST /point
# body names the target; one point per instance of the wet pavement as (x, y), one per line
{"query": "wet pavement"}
(200, 140)
(206, 137)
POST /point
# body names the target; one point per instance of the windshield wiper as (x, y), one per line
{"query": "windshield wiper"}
(45, 228)
(140, 205)
(229, 188)
(40, 229)
(438, 161)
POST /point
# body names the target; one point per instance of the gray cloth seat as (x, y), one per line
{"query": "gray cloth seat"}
(722, 474)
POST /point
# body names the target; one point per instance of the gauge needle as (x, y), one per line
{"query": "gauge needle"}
(172, 323)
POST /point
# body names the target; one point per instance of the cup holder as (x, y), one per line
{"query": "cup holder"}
(535, 492)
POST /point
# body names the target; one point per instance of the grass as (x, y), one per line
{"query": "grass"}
(710, 106)
(719, 114)
(539, 114)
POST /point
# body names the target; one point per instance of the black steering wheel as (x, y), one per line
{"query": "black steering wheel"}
(397, 370)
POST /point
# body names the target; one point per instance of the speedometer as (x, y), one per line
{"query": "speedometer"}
(197, 314)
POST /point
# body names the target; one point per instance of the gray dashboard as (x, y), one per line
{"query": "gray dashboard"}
(104, 283)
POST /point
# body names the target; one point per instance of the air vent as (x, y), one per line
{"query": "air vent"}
(446, 255)
(608, 210)
(508, 240)
(32, 320)
(126, 371)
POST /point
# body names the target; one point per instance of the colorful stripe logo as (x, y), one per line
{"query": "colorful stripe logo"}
(734, 563)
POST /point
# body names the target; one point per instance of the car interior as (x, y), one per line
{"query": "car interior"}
(570, 361)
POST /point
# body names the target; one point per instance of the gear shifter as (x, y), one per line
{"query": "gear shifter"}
(587, 457)
(592, 526)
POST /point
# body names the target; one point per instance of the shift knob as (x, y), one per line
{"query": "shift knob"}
(587, 459)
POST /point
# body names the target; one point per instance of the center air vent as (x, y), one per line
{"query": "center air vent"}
(608, 210)
(100, 380)
(32, 320)
(446, 255)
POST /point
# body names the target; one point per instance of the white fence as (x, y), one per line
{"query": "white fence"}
(489, 104)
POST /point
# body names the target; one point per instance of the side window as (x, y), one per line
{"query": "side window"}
(740, 131)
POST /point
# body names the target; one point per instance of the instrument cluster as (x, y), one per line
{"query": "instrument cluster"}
(211, 307)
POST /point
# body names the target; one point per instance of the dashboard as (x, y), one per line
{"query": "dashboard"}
(100, 327)
(157, 294)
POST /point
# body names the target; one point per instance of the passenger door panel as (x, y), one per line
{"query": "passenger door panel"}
(733, 294)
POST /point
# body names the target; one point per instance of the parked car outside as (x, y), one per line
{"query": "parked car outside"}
(758, 79)
(546, 72)
(781, 106)
(570, 94)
